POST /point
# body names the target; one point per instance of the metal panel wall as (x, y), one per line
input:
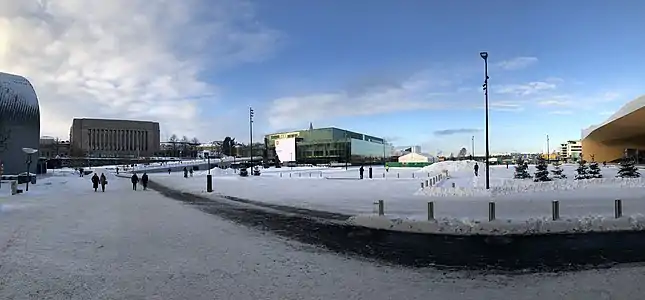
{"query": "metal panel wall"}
(19, 121)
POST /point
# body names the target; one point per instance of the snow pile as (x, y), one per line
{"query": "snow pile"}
(502, 227)
(527, 186)
(450, 166)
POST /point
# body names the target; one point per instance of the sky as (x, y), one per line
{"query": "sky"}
(408, 71)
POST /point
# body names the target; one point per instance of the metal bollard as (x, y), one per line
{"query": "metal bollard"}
(422, 184)
(618, 208)
(453, 185)
(381, 208)
(309, 175)
(321, 174)
(555, 210)
(397, 175)
(432, 181)
(427, 182)
(299, 174)
(430, 211)
(280, 174)
(289, 175)
(412, 175)
(491, 211)
(428, 174)
(383, 175)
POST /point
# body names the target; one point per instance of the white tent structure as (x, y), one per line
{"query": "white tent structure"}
(416, 158)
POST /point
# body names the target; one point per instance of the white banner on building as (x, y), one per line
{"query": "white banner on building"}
(286, 149)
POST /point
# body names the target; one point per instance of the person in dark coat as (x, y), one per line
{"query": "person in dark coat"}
(360, 171)
(144, 181)
(103, 181)
(95, 182)
(169, 170)
(476, 169)
(117, 171)
(185, 172)
(135, 180)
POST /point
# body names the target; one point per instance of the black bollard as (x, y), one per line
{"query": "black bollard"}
(370, 172)
(209, 183)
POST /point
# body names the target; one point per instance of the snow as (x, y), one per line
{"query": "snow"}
(63, 241)
(522, 206)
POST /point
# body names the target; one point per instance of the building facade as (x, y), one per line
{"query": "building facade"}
(327, 145)
(114, 138)
(571, 150)
(622, 134)
(19, 123)
(53, 148)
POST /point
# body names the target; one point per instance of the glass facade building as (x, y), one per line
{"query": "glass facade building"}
(328, 145)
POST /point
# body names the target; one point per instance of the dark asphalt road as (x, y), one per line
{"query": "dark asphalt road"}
(71, 243)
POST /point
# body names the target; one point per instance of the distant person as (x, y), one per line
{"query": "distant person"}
(604, 163)
(169, 170)
(387, 167)
(117, 170)
(191, 172)
(476, 169)
(507, 165)
(95, 182)
(135, 180)
(360, 171)
(103, 181)
(144, 180)
(185, 172)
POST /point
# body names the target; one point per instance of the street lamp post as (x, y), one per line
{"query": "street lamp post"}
(251, 132)
(209, 177)
(291, 160)
(29, 152)
(484, 56)
(472, 147)
(548, 154)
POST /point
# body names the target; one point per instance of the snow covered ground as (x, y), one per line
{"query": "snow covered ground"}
(522, 206)
(63, 241)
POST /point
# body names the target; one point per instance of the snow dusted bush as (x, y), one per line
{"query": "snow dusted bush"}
(557, 170)
(582, 170)
(542, 170)
(521, 170)
(628, 169)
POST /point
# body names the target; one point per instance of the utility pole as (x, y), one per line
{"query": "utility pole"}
(251, 132)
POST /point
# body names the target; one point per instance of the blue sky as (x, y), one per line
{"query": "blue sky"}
(408, 71)
(555, 67)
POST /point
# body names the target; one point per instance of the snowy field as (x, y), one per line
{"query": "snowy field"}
(522, 206)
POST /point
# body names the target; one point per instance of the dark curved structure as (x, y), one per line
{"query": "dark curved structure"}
(538, 252)
(19, 123)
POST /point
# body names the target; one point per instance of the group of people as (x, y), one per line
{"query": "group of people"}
(102, 181)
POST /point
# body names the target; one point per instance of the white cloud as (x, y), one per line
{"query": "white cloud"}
(517, 63)
(561, 112)
(527, 89)
(417, 92)
(128, 58)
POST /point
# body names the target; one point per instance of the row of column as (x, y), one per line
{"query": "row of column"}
(117, 140)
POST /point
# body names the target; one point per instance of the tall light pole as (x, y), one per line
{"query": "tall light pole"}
(472, 149)
(251, 132)
(548, 154)
(484, 56)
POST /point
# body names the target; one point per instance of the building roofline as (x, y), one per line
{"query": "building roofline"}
(625, 110)
(115, 120)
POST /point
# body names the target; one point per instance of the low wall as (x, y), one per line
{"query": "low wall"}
(475, 251)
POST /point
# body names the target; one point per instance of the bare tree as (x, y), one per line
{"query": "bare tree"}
(173, 139)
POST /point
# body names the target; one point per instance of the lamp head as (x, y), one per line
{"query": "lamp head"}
(484, 55)
(29, 150)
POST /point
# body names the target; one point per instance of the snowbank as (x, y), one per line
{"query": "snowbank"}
(502, 227)
(450, 166)
(514, 186)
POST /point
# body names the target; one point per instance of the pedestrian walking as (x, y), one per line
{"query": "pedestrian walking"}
(360, 171)
(117, 170)
(476, 169)
(103, 181)
(191, 172)
(135, 180)
(169, 170)
(95, 182)
(144, 181)
(185, 172)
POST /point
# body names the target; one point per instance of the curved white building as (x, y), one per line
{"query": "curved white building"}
(622, 133)
(19, 123)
